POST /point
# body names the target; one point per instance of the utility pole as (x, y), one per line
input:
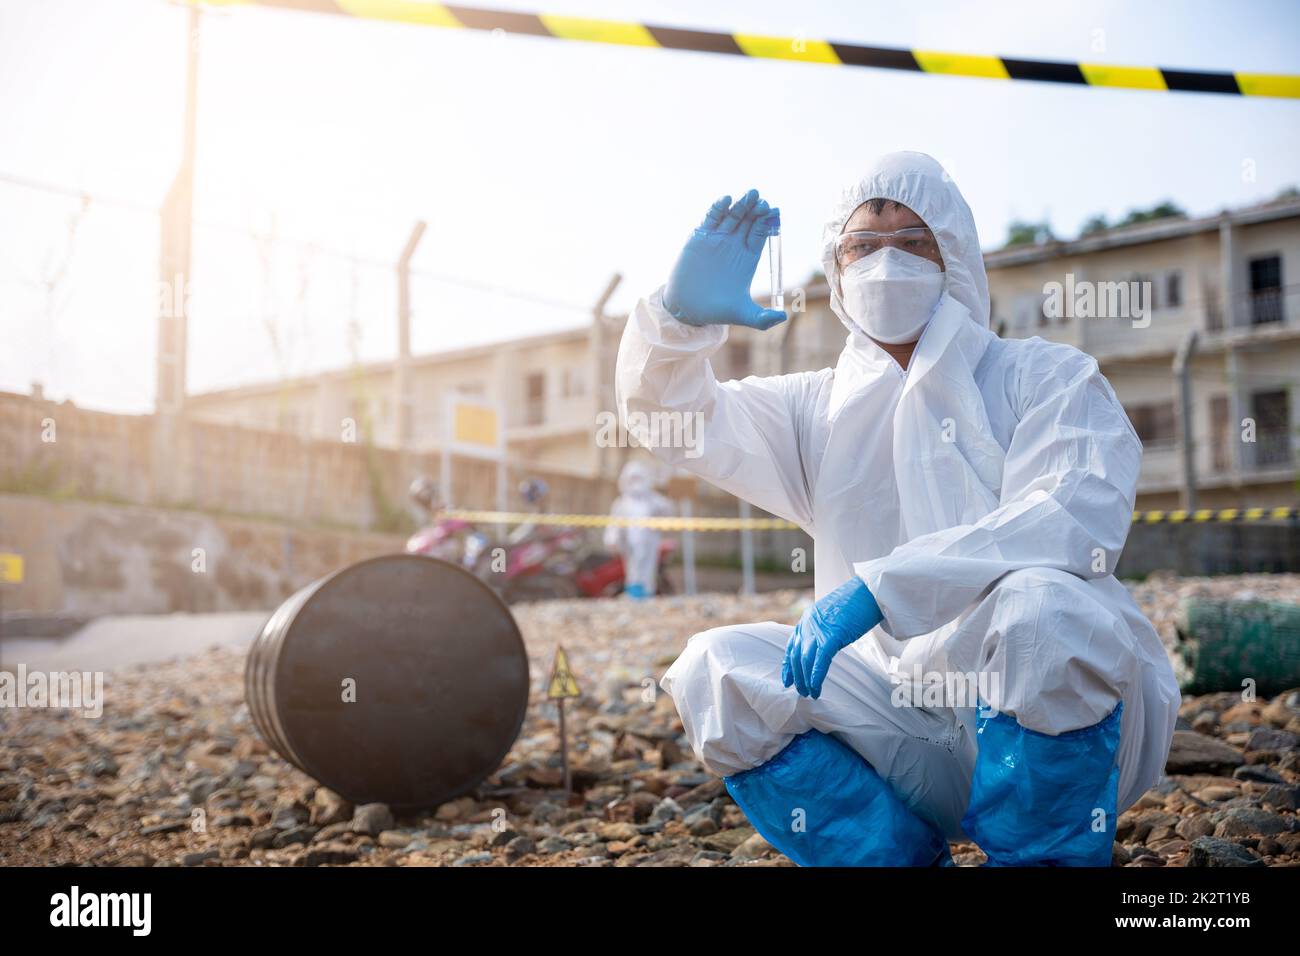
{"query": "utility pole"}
(176, 218)
(602, 399)
(402, 370)
(1183, 373)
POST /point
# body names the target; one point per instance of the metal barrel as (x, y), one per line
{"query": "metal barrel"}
(400, 680)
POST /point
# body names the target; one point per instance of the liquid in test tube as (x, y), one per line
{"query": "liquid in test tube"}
(773, 223)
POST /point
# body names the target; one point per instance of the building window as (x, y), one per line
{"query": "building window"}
(1174, 290)
(1145, 295)
(1266, 290)
(535, 398)
(1272, 427)
(1155, 424)
(1220, 434)
(573, 383)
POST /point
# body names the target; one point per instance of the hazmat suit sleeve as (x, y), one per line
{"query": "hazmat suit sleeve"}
(742, 436)
(1066, 502)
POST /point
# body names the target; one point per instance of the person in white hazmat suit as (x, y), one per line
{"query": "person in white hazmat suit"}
(639, 547)
(970, 669)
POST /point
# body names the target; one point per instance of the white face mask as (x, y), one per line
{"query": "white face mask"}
(891, 294)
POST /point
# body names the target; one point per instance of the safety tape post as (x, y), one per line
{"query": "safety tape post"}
(834, 53)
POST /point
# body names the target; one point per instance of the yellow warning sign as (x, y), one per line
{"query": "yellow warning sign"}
(475, 425)
(11, 568)
(563, 683)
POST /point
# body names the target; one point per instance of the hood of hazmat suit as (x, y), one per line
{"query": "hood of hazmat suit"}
(635, 478)
(988, 484)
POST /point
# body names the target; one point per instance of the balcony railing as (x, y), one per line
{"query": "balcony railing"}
(1271, 449)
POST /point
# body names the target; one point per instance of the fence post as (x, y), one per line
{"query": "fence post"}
(688, 551)
(746, 553)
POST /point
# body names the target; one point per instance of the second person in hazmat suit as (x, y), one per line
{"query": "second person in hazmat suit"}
(638, 546)
(971, 668)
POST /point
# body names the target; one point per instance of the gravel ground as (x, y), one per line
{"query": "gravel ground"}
(175, 774)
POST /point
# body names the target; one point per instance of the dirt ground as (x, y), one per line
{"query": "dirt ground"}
(174, 772)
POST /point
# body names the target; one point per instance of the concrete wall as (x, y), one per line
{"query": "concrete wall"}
(85, 558)
(57, 449)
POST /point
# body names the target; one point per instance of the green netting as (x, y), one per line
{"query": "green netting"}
(1221, 644)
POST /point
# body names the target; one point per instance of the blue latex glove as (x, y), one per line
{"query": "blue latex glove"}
(709, 284)
(826, 628)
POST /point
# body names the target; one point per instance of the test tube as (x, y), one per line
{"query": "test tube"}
(773, 222)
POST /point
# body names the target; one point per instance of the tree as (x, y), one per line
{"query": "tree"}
(1094, 224)
(1162, 210)
(1022, 233)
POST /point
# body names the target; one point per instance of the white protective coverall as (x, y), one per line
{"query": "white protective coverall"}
(638, 546)
(983, 494)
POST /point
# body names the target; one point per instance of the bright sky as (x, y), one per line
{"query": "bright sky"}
(544, 166)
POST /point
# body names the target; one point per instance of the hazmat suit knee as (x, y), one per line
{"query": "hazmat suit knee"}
(1012, 693)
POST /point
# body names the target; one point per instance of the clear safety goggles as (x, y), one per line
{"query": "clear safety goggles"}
(917, 240)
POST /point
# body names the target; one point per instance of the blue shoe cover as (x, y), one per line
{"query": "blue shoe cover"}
(821, 804)
(635, 591)
(1043, 800)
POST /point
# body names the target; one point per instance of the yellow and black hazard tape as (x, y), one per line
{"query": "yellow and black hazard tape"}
(1202, 515)
(627, 33)
(1199, 516)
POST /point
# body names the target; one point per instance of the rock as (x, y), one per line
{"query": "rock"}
(1268, 738)
(474, 859)
(617, 831)
(753, 848)
(1135, 827)
(1258, 773)
(554, 844)
(455, 810)
(293, 837)
(1244, 822)
(635, 808)
(548, 813)
(703, 826)
(1247, 713)
(328, 808)
(1189, 828)
(666, 810)
(1170, 848)
(232, 820)
(725, 841)
(333, 832)
(1191, 752)
(1119, 856)
(329, 854)
(394, 839)
(708, 858)
(1282, 797)
(1283, 708)
(706, 792)
(372, 819)
(520, 846)
(1217, 794)
(199, 858)
(263, 839)
(173, 827)
(1211, 851)
(290, 817)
